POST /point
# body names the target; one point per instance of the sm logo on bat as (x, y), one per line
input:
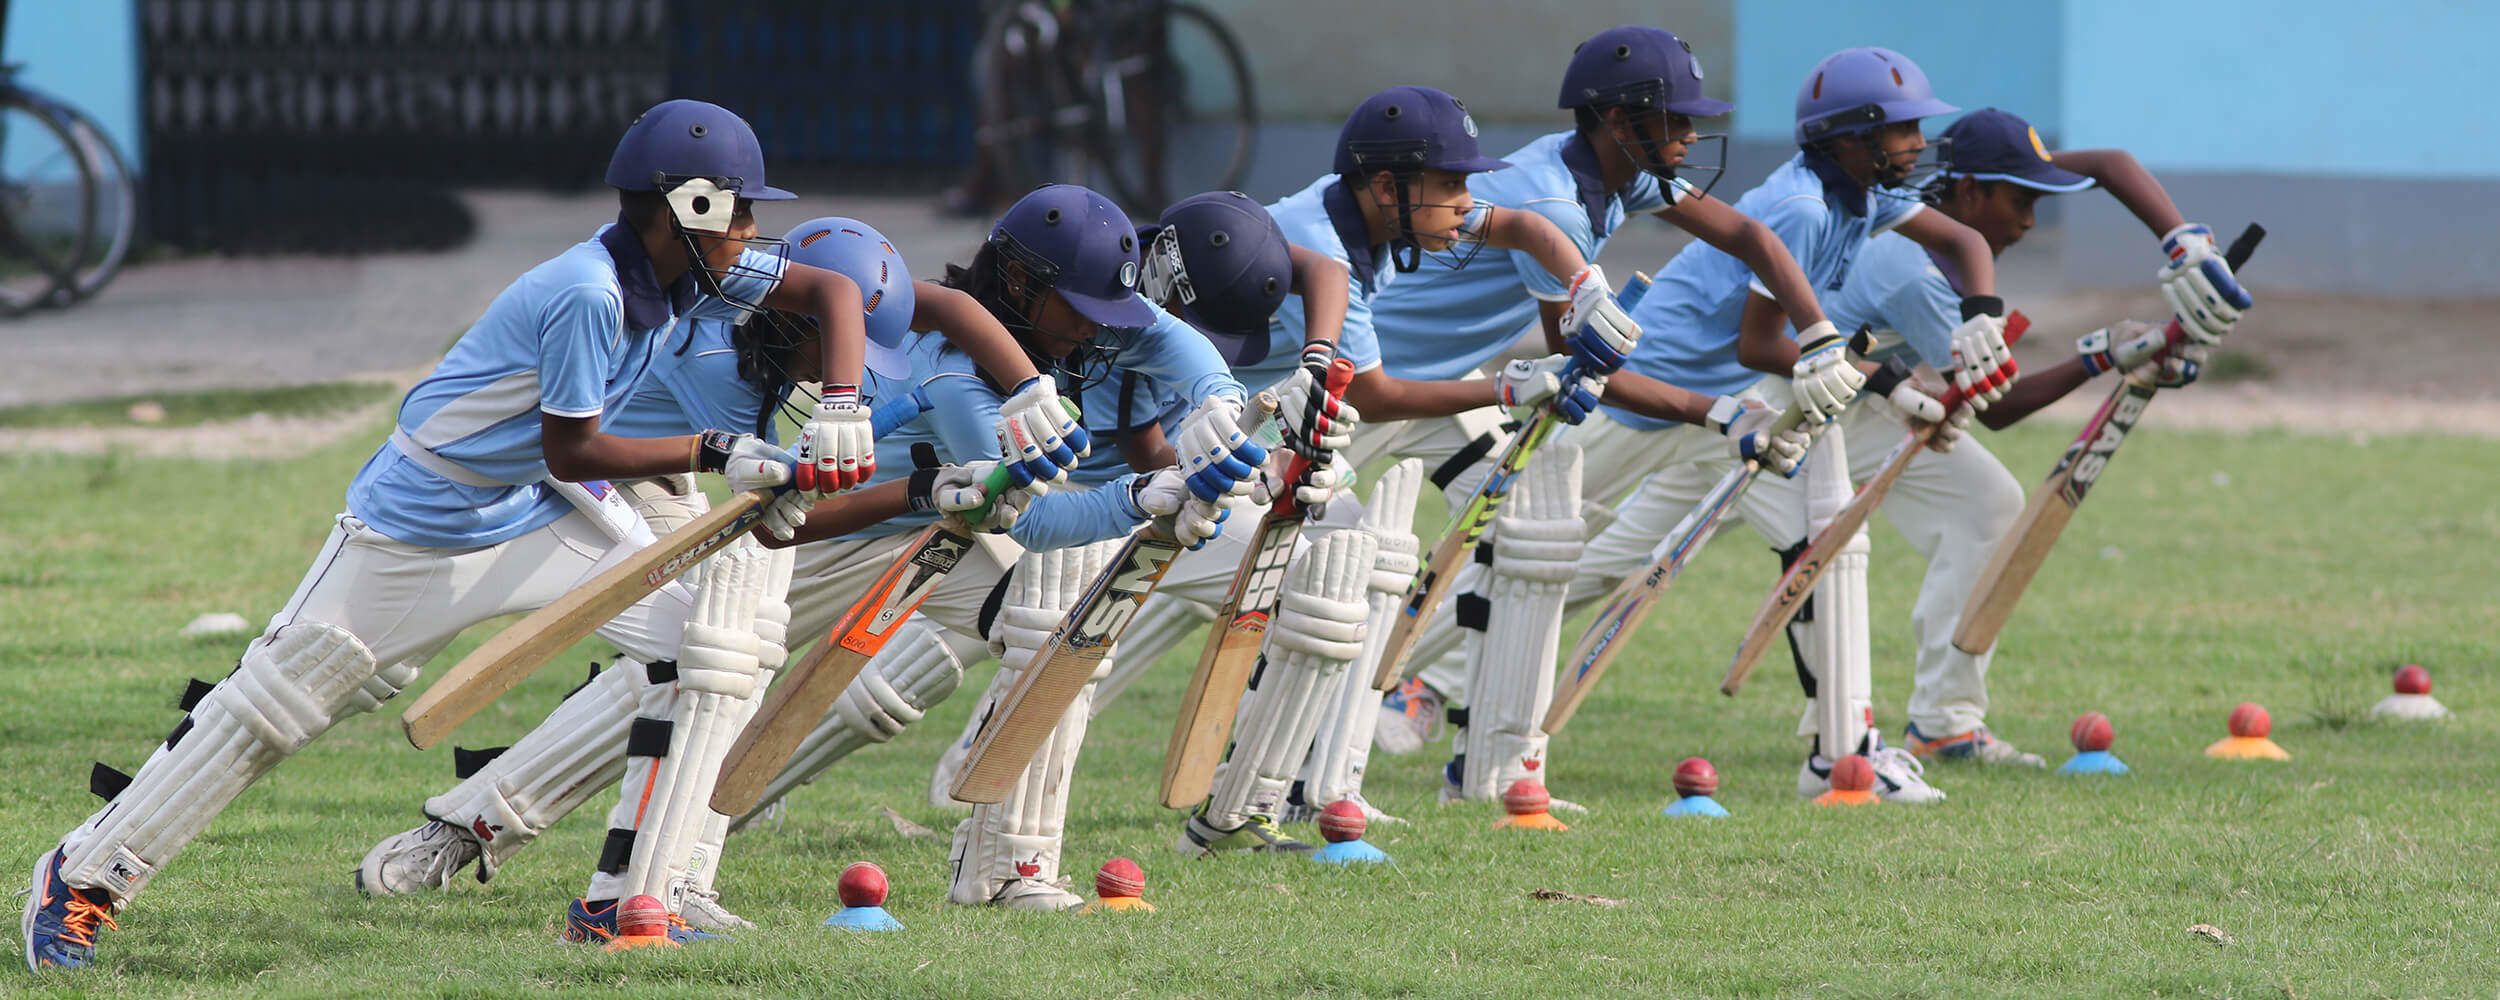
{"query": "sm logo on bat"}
(1107, 612)
(2095, 454)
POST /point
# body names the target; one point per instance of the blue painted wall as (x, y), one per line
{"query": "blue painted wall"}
(1976, 52)
(85, 52)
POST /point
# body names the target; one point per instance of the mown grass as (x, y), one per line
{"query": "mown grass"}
(2208, 569)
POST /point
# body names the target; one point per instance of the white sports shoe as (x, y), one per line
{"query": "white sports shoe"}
(1410, 717)
(1297, 811)
(704, 912)
(1899, 777)
(1035, 895)
(424, 858)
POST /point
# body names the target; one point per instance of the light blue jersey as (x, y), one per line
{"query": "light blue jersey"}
(692, 386)
(1441, 322)
(1689, 319)
(571, 338)
(1323, 218)
(962, 424)
(1898, 289)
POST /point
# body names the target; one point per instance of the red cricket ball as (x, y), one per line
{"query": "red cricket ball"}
(2412, 679)
(2092, 732)
(1694, 776)
(2251, 721)
(1342, 821)
(861, 884)
(1120, 878)
(1853, 773)
(642, 916)
(1525, 797)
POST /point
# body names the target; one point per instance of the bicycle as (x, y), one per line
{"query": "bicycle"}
(1152, 95)
(68, 206)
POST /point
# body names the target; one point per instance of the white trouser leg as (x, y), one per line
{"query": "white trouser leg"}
(367, 600)
(1841, 708)
(918, 669)
(1018, 837)
(1953, 508)
(1535, 547)
(1165, 621)
(1317, 633)
(1343, 743)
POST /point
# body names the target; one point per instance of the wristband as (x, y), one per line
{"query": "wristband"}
(1888, 377)
(1982, 305)
(711, 450)
(1724, 411)
(842, 394)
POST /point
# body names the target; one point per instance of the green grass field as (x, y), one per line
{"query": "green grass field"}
(2209, 569)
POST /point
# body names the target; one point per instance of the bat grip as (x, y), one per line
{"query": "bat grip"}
(1340, 376)
(998, 482)
(2242, 247)
(2016, 324)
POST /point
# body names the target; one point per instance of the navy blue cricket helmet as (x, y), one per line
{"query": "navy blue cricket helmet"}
(1223, 260)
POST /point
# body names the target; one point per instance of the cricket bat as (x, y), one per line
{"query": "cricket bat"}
(2017, 559)
(1424, 596)
(809, 690)
(1217, 686)
(1024, 716)
(1798, 582)
(512, 655)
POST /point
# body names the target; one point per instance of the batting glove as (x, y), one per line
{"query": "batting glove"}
(2199, 285)
(1601, 333)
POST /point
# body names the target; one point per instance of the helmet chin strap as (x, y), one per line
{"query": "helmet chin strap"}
(1405, 253)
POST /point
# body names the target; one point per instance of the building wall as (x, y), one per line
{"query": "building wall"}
(85, 52)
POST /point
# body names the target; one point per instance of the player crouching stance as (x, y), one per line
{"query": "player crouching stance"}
(452, 522)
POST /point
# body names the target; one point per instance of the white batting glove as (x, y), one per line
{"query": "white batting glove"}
(1982, 365)
(837, 447)
(1747, 425)
(1218, 458)
(961, 490)
(1319, 484)
(1040, 440)
(752, 463)
(2199, 285)
(1823, 380)
(1892, 383)
(2180, 368)
(1316, 421)
(1601, 334)
(1950, 433)
(1527, 382)
(1169, 494)
(2121, 347)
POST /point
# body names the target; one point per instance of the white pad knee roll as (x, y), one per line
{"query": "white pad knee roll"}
(1341, 748)
(1536, 552)
(916, 670)
(1317, 634)
(288, 689)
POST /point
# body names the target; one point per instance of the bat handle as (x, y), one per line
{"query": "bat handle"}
(2016, 324)
(998, 482)
(1340, 376)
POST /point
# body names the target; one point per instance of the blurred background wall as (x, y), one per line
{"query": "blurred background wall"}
(2349, 132)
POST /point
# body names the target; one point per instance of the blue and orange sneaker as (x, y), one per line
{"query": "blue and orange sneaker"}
(61, 919)
(593, 921)
(1978, 744)
(1410, 716)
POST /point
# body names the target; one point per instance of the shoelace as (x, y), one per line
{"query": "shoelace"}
(79, 927)
(1898, 758)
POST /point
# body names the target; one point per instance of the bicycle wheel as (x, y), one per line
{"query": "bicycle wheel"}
(1177, 106)
(116, 210)
(47, 202)
(1025, 100)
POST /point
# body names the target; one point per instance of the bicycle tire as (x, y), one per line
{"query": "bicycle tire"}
(33, 270)
(1017, 122)
(1216, 142)
(114, 224)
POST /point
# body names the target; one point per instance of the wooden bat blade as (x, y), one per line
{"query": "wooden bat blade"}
(1048, 686)
(809, 689)
(2017, 559)
(1222, 676)
(1797, 583)
(1423, 599)
(1632, 599)
(510, 656)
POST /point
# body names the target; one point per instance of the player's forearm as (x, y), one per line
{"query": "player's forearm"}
(1068, 517)
(1762, 341)
(1655, 399)
(1748, 240)
(960, 319)
(577, 452)
(1538, 237)
(1147, 449)
(1382, 398)
(2126, 180)
(856, 511)
(841, 318)
(2036, 388)
(1322, 283)
(1962, 248)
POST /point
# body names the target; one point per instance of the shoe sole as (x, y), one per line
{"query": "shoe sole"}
(34, 904)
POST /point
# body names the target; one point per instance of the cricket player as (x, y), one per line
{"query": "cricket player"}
(466, 512)
(1954, 507)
